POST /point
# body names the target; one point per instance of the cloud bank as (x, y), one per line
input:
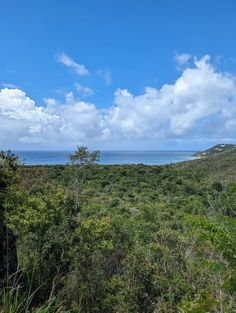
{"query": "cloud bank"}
(200, 104)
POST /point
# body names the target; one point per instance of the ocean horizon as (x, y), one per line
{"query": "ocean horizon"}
(146, 157)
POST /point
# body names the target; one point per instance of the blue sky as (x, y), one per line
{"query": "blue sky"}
(122, 47)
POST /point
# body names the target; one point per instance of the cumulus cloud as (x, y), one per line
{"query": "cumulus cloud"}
(79, 69)
(83, 90)
(22, 121)
(201, 103)
(20, 117)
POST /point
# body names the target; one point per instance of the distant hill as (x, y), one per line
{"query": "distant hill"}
(216, 150)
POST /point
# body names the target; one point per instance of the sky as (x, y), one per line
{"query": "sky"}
(117, 74)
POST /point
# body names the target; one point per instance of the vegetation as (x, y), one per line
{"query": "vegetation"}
(216, 150)
(121, 238)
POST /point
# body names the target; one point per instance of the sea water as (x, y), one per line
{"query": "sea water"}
(107, 157)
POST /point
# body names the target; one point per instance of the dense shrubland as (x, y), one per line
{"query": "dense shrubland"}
(122, 239)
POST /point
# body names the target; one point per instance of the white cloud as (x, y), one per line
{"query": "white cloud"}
(22, 121)
(106, 75)
(182, 59)
(20, 117)
(79, 69)
(83, 90)
(201, 104)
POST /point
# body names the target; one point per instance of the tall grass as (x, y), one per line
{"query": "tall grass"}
(14, 299)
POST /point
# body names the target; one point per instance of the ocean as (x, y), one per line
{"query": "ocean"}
(107, 157)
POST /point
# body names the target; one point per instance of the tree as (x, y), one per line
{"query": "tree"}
(82, 160)
(9, 173)
(84, 157)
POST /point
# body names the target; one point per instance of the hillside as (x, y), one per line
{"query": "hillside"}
(129, 238)
(216, 150)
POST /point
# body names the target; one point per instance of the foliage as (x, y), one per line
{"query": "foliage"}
(127, 238)
(83, 156)
(9, 173)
